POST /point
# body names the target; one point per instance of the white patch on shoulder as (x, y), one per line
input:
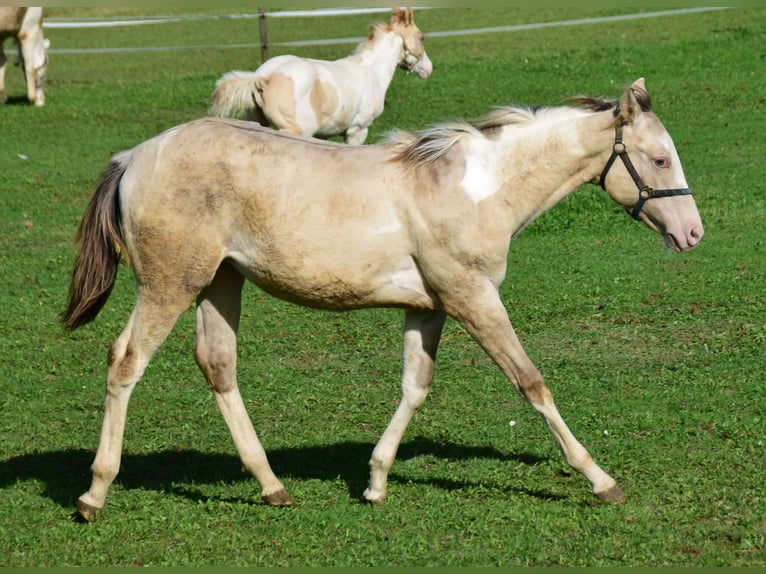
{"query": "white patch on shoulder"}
(480, 180)
(386, 222)
(390, 227)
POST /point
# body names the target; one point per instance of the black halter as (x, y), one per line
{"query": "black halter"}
(644, 191)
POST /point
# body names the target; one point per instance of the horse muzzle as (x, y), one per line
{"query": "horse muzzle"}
(685, 241)
(422, 66)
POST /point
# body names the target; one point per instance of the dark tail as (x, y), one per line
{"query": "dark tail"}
(100, 244)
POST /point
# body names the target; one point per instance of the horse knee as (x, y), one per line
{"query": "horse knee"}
(416, 382)
(356, 136)
(415, 391)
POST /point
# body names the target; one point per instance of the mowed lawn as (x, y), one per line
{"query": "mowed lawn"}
(656, 360)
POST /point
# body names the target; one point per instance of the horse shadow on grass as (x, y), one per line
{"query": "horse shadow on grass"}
(17, 101)
(65, 474)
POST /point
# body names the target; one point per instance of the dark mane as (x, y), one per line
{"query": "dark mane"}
(428, 145)
(602, 105)
(593, 104)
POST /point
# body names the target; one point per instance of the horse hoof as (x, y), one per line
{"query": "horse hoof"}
(88, 512)
(376, 500)
(278, 498)
(614, 494)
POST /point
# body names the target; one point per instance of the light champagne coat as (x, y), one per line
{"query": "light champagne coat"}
(422, 222)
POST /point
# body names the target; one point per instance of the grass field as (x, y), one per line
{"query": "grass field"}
(657, 360)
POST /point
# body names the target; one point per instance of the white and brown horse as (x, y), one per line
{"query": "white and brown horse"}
(421, 222)
(321, 98)
(25, 26)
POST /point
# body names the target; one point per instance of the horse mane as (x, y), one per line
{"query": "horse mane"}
(600, 105)
(374, 29)
(428, 145)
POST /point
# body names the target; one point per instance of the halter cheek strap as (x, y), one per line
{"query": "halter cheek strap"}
(645, 192)
(409, 60)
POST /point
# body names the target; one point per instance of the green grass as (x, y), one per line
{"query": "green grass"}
(664, 352)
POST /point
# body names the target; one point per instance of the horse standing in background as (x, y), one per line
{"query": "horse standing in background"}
(321, 98)
(421, 222)
(25, 26)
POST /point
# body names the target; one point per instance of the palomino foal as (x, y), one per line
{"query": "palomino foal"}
(25, 25)
(422, 222)
(321, 98)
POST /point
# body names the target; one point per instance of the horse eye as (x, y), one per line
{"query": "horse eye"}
(662, 163)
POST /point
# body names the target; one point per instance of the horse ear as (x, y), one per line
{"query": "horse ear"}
(634, 101)
(401, 17)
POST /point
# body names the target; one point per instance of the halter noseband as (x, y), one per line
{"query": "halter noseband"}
(644, 191)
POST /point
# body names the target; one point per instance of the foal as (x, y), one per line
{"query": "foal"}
(321, 98)
(422, 223)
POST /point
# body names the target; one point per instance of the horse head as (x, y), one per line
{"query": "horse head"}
(652, 171)
(414, 57)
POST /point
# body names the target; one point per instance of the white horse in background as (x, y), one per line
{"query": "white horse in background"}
(25, 26)
(321, 98)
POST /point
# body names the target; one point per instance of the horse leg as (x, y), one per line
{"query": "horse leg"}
(218, 311)
(34, 57)
(356, 135)
(422, 331)
(3, 62)
(148, 326)
(486, 319)
(255, 114)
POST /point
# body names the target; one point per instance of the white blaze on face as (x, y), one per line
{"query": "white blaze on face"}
(480, 180)
(678, 171)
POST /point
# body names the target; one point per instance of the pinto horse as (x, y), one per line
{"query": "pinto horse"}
(421, 221)
(316, 97)
(25, 26)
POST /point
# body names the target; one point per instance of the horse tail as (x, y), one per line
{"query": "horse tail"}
(100, 244)
(237, 94)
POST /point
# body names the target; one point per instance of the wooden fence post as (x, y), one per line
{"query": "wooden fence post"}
(264, 34)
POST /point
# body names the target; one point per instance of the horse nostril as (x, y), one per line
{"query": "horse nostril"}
(695, 234)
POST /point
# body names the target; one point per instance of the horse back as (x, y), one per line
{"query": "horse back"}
(319, 223)
(304, 95)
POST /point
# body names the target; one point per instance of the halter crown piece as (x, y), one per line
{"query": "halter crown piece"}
(645, 192)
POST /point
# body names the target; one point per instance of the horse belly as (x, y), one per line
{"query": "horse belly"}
(335, 272)
(330, 250)
(10, 21)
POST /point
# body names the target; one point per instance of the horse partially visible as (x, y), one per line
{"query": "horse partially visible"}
(25, 26)
(421, 222)
(317, 97)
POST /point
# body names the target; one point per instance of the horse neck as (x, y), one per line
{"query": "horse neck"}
(379, 56)
(550, 158)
